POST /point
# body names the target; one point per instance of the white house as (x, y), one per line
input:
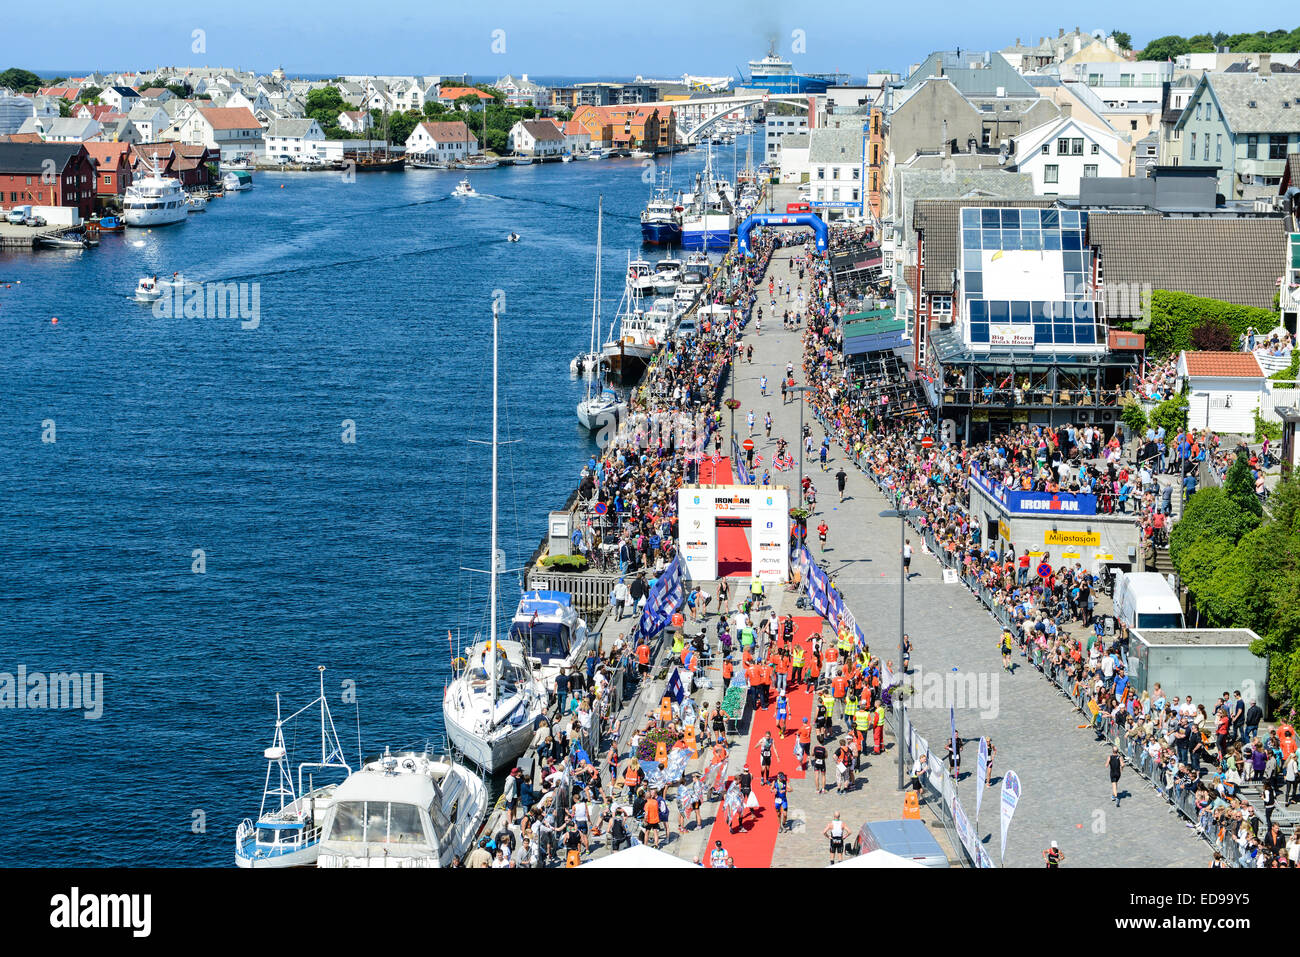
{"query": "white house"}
(836, 159)
(71, 129)
(1225, 390)
(300, 140)
(521, 91)
(232, 130)
(149, 120)
(441, 141)
(1059, 153)
(121, 98)
(536, 138)
(355, 121)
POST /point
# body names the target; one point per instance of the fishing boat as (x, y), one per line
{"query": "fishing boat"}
(237, 181)
(668, 273)
(709, 220)
(491, 706)
(630, 347)
(552, 633)
(661, 220)
(464, 189)
(403, 809)
(106, 224)
(155, 200)
(477, 162)
(287, 832)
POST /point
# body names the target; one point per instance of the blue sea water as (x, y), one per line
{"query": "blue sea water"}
(178, 434)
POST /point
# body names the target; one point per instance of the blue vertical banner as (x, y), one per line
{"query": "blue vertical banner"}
(982, 770)
(738, 461)
(1010, 798)
(666, 595)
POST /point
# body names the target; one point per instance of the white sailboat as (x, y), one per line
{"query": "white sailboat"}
(289, 835)
(601, 407)
(491, 705)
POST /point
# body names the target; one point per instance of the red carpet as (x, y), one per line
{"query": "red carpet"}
(719, 474)
(753, 844)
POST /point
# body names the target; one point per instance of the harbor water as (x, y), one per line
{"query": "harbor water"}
(204, 512)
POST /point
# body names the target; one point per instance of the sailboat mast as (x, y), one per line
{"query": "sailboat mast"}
(595, 302)
(492, 600)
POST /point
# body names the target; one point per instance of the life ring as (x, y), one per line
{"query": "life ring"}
(652, 344)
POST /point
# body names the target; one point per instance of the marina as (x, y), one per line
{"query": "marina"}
(656, 473)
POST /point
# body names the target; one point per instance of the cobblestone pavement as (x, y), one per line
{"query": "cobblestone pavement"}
(1066, 791)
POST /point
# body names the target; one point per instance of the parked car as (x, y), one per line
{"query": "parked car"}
(37, 221)
(909, 839)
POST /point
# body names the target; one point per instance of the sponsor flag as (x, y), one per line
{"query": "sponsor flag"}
(982, 767)
(1010, 798)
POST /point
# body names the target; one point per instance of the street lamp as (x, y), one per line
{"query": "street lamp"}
(902, 514)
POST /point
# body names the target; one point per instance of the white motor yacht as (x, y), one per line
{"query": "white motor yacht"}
(154, 200)
(552, 633)
(668, 272)
(463, 188)
(403, 809)
(641, 277)
(150, 288)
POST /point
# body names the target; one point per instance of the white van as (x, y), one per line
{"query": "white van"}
(1146, 600)
(19, 214)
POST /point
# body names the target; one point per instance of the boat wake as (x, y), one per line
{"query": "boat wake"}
(389, 256)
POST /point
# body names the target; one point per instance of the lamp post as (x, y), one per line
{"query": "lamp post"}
(902, 514)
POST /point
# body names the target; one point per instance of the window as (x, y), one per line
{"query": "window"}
(1132, 125)
(941, 305)
(1089, 170)
(855, 195)
(1076, 146)
(821, 172)
(1252, 146)
(1047, 149)
(1206, 151)
(1051, 173)
(108, 180)
(835, 195)
(1097, 149)
(835, 172)
(1126, 79)
(1277, 146)
(1218, 147)
(1063, 146)
(1094, 79)
(857, 173)
(1198, 111)
(1193, 144)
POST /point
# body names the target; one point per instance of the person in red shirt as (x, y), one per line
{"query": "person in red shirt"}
(839, 687)
(805, 742)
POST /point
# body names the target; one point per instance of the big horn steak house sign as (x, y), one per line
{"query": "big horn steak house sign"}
(768, 511)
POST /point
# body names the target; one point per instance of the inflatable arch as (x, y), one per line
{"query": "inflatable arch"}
(781, 219)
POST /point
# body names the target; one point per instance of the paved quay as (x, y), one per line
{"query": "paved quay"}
(1035, 729)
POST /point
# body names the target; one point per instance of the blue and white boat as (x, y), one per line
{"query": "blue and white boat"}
(661, 220)
(778, 76)
(710, 218)
(552, 633)
(287, 832)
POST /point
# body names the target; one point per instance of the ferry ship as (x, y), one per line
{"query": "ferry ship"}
(778, 76)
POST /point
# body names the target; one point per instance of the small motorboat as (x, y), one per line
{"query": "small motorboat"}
(523, 161)
(73, 241)
(641, 154)
(106, 224)
(589, 364)
(150, 288)
(198, 202)
(513, 238)
(566, 158)
(463, 188)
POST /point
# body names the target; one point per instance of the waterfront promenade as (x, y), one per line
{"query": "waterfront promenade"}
(1035, 729)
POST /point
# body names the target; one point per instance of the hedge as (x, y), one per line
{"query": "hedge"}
(1174, 315)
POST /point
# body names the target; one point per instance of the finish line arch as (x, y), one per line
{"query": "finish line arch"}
(781, 219)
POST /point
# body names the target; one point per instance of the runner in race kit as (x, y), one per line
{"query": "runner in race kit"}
(835, 831)
(1114, 761)
(780, 800)
(765, 748)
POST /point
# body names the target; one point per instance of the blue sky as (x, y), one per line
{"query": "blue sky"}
(567, 37)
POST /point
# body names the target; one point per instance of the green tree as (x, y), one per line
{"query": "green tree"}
(65, 108)
(1123, 39)
(1171, 413)
(1135, 417)
(20, 81)
(181, 90)
(90, 94)
(1239, 486)
(1210, 515)
(433, 108)
(1201, 43)
(1166, 48)
(326, 98)
(401, 125)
